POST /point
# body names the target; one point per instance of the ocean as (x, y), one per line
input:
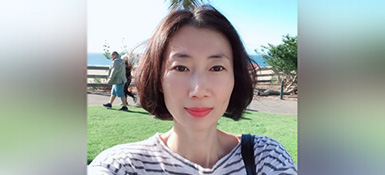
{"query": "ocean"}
(97, 59)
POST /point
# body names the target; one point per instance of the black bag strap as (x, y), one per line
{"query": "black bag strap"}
(247, 150)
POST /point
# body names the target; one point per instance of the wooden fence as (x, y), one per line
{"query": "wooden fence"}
(265, 75)
(97, 76)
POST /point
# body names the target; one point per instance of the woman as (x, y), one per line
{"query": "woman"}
(194, 72)
(127, 92)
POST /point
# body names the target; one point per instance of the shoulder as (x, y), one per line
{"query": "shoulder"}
(272, 157)
(123, 158)
(117, 61)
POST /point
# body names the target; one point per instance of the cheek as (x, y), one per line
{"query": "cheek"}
(223, 84)
(226, 91)
(174, 87)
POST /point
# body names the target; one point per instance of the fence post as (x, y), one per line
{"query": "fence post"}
(281, 94)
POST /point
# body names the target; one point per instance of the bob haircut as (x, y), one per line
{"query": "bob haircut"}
(149, 74)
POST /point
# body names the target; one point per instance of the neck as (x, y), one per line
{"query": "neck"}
(201, 147)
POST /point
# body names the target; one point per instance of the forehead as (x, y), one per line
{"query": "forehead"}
(199, 41)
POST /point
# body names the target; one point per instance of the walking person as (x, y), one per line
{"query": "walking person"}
(117, 77)
(127, 92)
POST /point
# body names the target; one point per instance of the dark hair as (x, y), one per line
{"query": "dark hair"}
(148, 77)
(115, 53)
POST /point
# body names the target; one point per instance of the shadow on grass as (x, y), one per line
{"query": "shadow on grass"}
(245, 118)
(89, 161)
(131, 111)
(138, 112)
(248, 111)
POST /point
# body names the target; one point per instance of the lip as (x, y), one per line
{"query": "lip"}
(198, 111)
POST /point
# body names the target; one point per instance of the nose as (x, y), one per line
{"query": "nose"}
(199, 86)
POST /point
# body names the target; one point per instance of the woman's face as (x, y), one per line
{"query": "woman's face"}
(198, 77)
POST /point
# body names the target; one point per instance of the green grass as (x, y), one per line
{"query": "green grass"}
(106, 128)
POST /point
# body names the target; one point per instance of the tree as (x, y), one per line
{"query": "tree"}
(185, 4)
(107, 52)
(283, 58)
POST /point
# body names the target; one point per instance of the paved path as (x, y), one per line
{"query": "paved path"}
(259, 105)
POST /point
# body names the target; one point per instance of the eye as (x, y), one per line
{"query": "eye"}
(217, 68)
(181, 68)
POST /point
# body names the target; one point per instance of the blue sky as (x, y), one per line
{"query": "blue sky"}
(129, 22)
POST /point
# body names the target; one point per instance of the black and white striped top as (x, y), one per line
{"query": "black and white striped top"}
(152, 156)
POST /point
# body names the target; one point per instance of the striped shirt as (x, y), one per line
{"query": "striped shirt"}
(152, 156)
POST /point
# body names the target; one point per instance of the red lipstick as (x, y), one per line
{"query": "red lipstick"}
(198, 111)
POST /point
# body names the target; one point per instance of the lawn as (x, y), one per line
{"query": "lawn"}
(107, 128)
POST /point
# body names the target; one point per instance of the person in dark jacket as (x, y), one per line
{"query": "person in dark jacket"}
(127, 92)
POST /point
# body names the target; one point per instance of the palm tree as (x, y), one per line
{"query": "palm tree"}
(185, 4)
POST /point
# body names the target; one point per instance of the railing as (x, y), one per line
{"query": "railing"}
(264, 75)
(94, 72)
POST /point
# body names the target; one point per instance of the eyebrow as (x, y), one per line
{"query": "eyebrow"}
(180, 55)
(184, 55)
